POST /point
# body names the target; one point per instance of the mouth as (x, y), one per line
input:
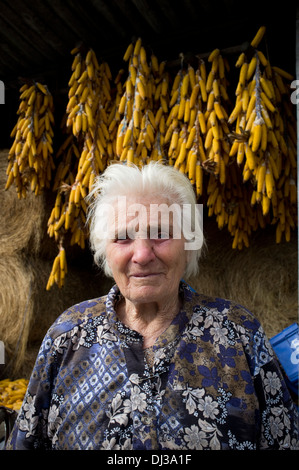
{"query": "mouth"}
(144, 275)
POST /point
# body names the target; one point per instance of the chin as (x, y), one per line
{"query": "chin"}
(146, 293)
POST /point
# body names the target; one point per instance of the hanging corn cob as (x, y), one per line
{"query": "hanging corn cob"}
(284, 139)
(186, 124)
(88, 118)
(64, 179)
(217, 141)
(59, 270)
(142, 107)
(222, 200)
(196, 126)
(259, 144)
(177, 122)
(58, 222)
(12, 393)
(30, 157)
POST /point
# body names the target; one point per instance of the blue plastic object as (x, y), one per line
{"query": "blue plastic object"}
(286, 347)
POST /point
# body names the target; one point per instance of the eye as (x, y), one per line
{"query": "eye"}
(162, 235)
(122, 238)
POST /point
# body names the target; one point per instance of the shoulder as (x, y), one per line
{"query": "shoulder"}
(235, 322)
(222, 310)
(78, 314)
(231, 324)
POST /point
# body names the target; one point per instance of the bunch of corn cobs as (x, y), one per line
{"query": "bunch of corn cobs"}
(238, 151)
(12, 393)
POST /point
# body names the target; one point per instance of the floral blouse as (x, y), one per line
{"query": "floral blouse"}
(212, 383)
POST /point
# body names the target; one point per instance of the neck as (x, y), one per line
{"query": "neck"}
(150, 320)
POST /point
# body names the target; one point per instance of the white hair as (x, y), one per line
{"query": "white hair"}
(156, 180)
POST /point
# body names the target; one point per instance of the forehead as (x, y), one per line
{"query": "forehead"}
(145, 217)
(145, 209)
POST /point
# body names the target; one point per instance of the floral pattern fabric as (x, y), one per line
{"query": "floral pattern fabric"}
(213, 383)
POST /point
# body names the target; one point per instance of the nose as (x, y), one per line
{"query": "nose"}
(143, 252)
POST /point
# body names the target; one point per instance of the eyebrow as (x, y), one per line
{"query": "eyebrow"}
(151, 231)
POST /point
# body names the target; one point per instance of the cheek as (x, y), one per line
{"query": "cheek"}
(174, 254)
(111, 257)
(117, 257)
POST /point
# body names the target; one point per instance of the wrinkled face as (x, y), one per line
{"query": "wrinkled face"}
(146, 260)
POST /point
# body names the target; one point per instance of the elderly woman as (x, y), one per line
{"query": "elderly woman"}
(153, 365)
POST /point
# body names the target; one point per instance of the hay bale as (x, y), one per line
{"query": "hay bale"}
(27, 310)
(262, 277)
(22, 221)
(16, 307)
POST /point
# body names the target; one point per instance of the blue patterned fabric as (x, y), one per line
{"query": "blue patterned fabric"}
(213, 383)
